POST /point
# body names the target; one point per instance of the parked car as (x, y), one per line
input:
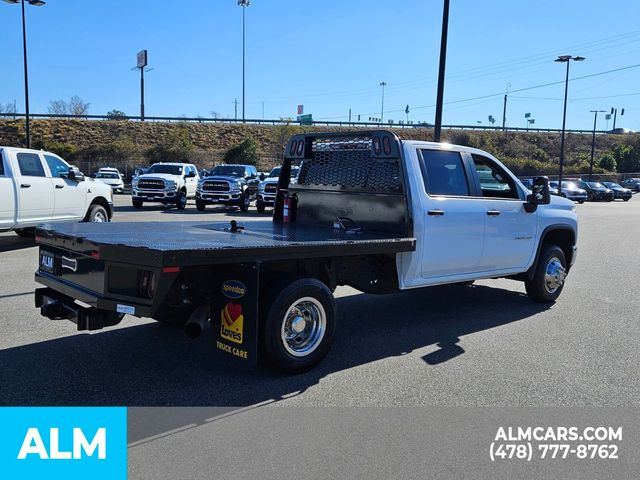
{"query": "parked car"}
(267, 188)
(111, 170)
(112, 179)
(569, 190)
(38, 186)
(166, 183)
(595, 191)
(631, 183)
(618, 191)
(235, 185)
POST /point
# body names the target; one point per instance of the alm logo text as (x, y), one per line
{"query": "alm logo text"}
(33, 445)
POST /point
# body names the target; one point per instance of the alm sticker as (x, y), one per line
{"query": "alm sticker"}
(126, 309)
(232, 322)
(233, 289)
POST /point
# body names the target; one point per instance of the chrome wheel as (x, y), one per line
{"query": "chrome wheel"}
(99, 217)
(303, 326)
(554, 276)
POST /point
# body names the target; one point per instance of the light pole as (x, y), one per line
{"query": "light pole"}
(564, 59)
(504, 108)
(593, 139)
(243, 4)
(35, 3)
(437, 129)
(382, 84)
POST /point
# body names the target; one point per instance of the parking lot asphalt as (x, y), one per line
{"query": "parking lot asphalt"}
(480, 345)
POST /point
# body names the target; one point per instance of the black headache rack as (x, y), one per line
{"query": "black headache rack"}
(359, 176)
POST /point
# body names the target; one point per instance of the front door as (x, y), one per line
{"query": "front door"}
(510, 232)
(70, 195)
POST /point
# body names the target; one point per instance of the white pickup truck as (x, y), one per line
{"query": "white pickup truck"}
(366, 210)
(38, 186)
(166, 183)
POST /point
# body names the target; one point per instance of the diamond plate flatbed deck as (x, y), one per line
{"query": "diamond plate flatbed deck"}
(205, 243)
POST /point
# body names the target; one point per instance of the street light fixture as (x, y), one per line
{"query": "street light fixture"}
(382, 84)
(35, 3)
(564, 59)
(243, 4)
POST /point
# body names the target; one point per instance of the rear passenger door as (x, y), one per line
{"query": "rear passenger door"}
(454, 221)
(35, 190)
(510, 231)
(7, 198)
(191, 182)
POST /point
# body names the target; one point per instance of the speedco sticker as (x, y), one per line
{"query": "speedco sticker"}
(233, 289)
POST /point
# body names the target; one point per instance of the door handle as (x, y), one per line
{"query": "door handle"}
(25, 185)
(59, 186)
(435, 213)
(493, 213)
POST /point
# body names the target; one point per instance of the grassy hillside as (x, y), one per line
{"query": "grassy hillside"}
(122, 143)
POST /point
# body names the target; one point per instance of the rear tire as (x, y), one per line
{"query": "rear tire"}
(548, 279)
(137, 203)
(26, 232)
(299, 326)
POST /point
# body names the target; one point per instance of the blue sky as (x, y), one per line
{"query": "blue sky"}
(329, 55)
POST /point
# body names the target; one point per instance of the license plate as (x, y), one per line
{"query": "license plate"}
(47, 260)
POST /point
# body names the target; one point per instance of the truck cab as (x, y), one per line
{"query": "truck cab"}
(165, 183)
(233, 185)
(38, 186)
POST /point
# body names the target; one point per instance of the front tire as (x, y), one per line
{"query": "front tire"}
(200, 205)
(260, 207)
(300, 326)
(548, 279)
(137, 203)
(98, 214)
(245, 202)
(181, 200)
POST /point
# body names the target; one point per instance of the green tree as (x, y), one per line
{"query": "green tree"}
(608, 162)
(116, 115)
(627, 157)
(244, 153)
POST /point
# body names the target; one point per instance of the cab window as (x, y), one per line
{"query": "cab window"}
(1, 165)
(30, 165)
(58, 167)
(494, 181)
(443, 173)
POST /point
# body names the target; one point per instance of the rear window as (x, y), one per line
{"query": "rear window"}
(444, 173)
(30, 165)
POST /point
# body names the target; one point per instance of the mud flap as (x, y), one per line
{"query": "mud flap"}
(234, 312)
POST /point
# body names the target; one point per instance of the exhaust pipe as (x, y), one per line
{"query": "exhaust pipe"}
(194, 328)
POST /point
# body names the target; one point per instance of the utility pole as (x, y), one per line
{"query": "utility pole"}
(382, 84)
(263, 110)
(349, 116)
(593, 139)
(443, 60)
(504, 109)
(235, 105)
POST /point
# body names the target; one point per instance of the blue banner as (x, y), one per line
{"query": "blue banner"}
(63, 442)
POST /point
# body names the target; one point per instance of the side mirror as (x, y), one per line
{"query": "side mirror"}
(540, 195)
(75, 174)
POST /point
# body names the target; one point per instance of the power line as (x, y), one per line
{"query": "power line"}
(524, 89)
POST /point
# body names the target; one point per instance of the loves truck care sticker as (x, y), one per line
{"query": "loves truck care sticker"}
(231, 324)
